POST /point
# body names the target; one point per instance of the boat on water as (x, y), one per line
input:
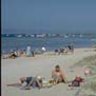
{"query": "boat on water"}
(73, 35)
(80, 35)
(66, 36)
(32, 36)
(19, 36)
(7, 35)
(93, 40)
(26, 35)
(40, 35)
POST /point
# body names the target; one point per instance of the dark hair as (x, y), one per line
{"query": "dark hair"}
(57, 66)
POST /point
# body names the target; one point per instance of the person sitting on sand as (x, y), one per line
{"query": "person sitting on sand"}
(76, 82)
(28, 82)
(13, 55)
(58, 75)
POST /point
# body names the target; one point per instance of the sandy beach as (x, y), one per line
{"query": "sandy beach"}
(13, 69)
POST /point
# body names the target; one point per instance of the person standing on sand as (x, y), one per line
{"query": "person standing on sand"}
(28, 51)
(43, 49)
(71, 48)
(58, 75)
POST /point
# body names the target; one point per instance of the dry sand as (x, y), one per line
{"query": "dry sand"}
(13, 69)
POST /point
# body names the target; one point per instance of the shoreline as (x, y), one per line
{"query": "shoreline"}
(52, 50)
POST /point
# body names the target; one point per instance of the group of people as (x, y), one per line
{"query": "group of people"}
(69, 48)
(40, 82)
(30, 53)
(18, 53)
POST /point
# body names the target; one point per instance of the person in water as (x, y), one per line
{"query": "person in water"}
(58, 75)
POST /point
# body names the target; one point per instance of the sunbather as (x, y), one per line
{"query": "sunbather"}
(58, 75)
(29, 82)
(12, 55)
(35, 82)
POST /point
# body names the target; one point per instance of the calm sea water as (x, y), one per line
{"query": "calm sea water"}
(36, 43)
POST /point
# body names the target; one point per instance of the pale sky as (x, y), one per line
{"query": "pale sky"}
(48, 15)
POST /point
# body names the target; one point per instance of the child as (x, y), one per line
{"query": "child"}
(76, 82)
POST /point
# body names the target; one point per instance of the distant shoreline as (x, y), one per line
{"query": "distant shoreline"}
(56, 35)
(50, 41)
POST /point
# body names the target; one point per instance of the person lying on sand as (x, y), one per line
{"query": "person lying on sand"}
(12, 55)
(58, 75)
(76, 82)
(34, 82)
(28, 82)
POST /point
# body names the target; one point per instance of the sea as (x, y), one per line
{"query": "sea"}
(14, 43)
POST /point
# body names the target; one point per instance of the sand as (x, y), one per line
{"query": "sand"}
(13, 69)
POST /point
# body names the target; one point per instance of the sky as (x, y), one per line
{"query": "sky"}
(34, 16)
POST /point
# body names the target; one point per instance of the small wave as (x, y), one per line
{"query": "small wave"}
(93, 39)
(80, 36)
(66, 36)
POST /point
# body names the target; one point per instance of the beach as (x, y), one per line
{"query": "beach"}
(13, 69)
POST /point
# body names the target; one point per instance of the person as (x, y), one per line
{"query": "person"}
(43, 49)
(58, 75)
(87, 72)
(28, 82)
(33, 53)
(56, 50)
(71, 48)
(76, 82)
(13, 55)
(28, 51)
(61, 51)
(34, 82)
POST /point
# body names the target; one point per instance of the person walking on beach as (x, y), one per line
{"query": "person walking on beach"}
(58, 75)
(43, 49)
(71, 48)
(28, 51)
